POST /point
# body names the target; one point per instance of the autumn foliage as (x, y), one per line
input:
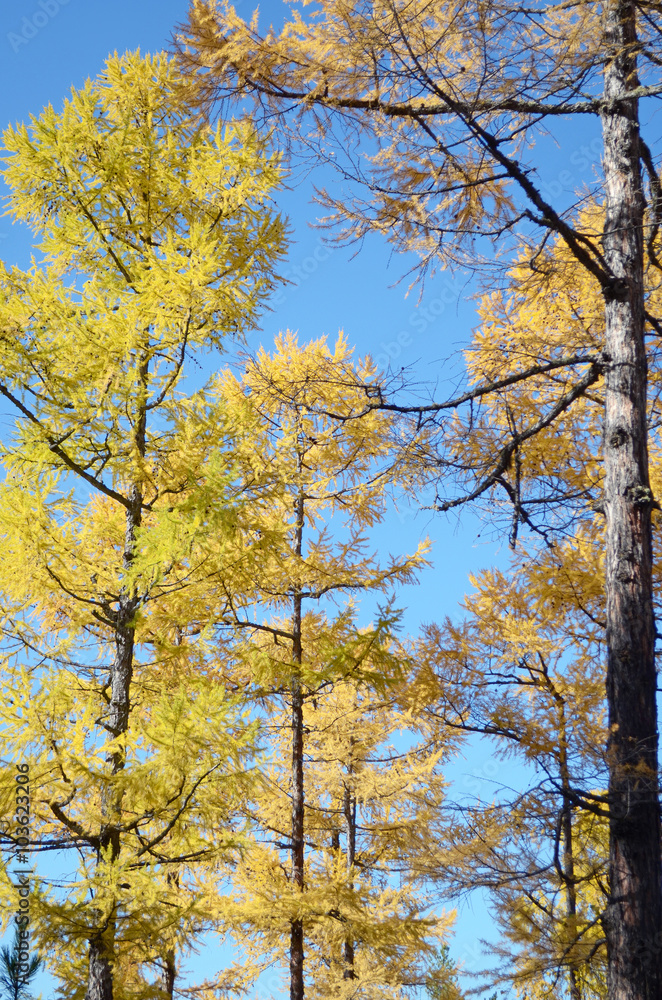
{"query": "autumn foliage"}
(232, 737)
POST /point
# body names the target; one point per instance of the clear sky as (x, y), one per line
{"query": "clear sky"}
(46, 46)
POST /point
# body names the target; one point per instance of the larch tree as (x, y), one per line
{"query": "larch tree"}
(323, 889)
(526, 667)
(433, 108)
(524, 670)
(158, 240)
(377, 792)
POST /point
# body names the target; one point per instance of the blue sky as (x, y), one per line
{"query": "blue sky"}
(46, 46)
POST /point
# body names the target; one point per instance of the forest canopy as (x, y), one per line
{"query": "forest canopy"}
(222, 728)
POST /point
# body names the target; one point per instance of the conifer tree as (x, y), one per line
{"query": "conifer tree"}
(327, 886)
(16, 973)
(526, 668)
(157, 241)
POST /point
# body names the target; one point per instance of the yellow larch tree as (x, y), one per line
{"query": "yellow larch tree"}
(158, 240)
(326, 887)
(526, 668)
(377, 795)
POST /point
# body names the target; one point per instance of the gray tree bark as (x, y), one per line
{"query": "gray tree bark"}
(634, 918)
(102, 944)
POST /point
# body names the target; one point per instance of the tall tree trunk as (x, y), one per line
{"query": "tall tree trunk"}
(570, 892)
(633, 922)
(170, 957)
(100, 972)
(102, 943)
(349, 810)
(296, 928)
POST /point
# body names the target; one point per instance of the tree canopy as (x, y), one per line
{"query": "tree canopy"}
(231, 737)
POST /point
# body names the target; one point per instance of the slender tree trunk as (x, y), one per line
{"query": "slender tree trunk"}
(170, 957)
(102, 943)
(349, 810)
(296, 928)
(570, 893)
(169, 974)
(568, 853)
(633, 922)
(567, 867)
(100, 973)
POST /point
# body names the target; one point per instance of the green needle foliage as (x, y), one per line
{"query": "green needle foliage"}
(15, 977)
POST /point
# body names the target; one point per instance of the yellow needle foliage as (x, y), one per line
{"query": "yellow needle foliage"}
(433, 112)
(164, 545)
(545, 332)
(525, 670)
(373, 795)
